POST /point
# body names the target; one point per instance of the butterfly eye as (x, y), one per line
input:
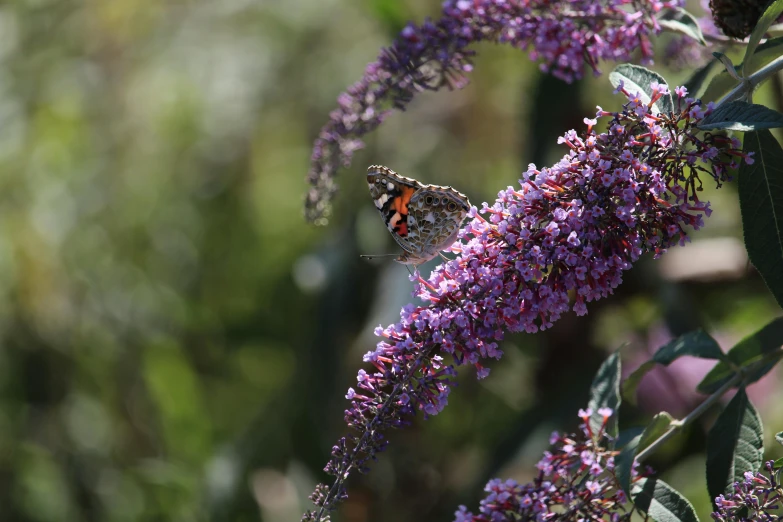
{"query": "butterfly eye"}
(452, 206)
(428, 200)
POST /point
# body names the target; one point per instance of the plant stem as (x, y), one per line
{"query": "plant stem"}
(748, 84)
(677, 425)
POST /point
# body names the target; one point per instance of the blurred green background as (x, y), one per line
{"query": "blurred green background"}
(177, 341)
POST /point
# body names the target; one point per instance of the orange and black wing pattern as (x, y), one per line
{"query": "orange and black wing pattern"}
(391, 194)
(422, 219)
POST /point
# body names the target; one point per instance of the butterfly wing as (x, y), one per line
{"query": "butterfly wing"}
(435, 214)
(422, 219)
(392, 194)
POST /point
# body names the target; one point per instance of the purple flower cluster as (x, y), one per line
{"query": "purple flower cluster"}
(757, 498)
(563, 35)
(576, 481)
(559, 240)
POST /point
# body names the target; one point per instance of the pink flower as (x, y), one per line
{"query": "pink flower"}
(563, 485)
(564, 36)
(522, 279)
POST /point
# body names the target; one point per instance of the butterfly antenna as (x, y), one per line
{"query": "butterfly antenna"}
(443, 257)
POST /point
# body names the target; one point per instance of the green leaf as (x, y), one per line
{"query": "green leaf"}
(766, 52)
(662, 502)
(697, 344)
(626, 436)
(624, 461)
(735, 444)
(750, 351)
(742, 116)
(778, 463)
(678, 20)
(658, 426)
(631, 383)
(779, 437)
(637, 79)
(723, 82)
(605, 393)
(624, 464)
(726, 61)
(761, 206)
(771, 14)
(719, 85)
(695, 83)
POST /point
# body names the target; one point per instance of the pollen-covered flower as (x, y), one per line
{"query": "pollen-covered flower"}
(566, 488)
(564, 36)
(559, 240)
(757, 498)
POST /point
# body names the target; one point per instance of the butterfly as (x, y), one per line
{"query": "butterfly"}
(422, 219)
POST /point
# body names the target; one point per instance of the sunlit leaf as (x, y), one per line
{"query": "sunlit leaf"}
(637, 79)
(771, 14)
(742, 116)
(678, 20)
(658, 426)
(727, 65)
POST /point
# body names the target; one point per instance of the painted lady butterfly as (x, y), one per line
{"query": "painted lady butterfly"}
(422, 219)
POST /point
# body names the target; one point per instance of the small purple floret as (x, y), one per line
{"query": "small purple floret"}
(759, 497)
(566, 37)
(566, 240)
(563, 490)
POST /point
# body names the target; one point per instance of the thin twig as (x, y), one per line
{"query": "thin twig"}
(749, 83)
(677, 425)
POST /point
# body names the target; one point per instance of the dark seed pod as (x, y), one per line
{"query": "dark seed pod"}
(737, 18)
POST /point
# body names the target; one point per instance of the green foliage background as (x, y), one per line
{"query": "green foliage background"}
(175, 340)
